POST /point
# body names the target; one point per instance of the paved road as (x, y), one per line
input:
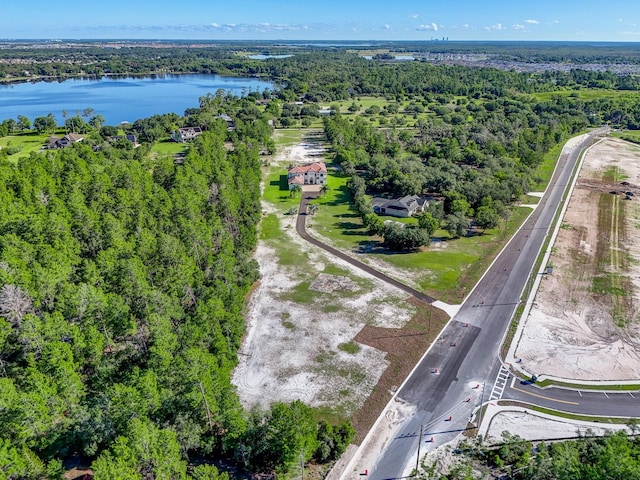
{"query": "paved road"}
(462, 369)
(302, 231)
(600, 403)
(466, 357)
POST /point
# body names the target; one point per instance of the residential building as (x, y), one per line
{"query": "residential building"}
(228, 119)
(68, 139)
(185, 134)
(406, 206)
(308, 174)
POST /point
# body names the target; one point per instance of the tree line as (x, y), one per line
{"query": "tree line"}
(615, 456)
(123, 280)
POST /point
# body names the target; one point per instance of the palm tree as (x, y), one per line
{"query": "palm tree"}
(313, 208)
(295, 190)
(324, 189)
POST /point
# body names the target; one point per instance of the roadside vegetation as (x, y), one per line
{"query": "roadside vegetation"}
(614, 456)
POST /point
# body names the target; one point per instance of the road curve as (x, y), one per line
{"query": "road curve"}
(302, 231)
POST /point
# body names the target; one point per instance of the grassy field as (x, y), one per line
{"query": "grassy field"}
(25, 142)
(545, 170)
(447, 269)
(584, 94)
(286, 137)
(168, 147)
(628, 135)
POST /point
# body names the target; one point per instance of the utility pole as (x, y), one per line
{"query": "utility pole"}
(302, 464)
(418, 457)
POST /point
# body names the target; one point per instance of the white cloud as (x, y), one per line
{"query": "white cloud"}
(532, 22)
(387, 26)
(495, 27)
(428, 26)
(262, 27)
(518, 26)
(415, 15)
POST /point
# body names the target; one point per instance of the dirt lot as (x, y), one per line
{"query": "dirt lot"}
(325, 332)
(584, 324)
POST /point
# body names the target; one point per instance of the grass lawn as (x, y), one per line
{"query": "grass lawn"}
(529, 200)
(276, 190)
(628, 135)
(286, 137)
(447, 269)
(168, 147)
(335, 219)
(26, 142)
(545, 170)
(584, 94)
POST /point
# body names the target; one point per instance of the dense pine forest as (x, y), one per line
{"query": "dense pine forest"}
(124, 276)
(123, 286)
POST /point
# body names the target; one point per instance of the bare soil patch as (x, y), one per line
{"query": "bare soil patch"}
(323, 331)
(584, 324)
(404, 347)
(530, 426)
(330, 283)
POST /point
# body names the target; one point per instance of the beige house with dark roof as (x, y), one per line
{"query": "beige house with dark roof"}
(309, 174)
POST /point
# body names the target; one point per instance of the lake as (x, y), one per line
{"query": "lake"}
(118, 99)
(262, 56)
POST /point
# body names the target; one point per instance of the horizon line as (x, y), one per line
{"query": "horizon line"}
(323, 41)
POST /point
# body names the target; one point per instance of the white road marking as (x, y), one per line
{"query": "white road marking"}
(500, 384)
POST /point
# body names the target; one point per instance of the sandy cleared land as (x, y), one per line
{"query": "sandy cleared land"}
(295, 342)
(584, 323)
(530, 426)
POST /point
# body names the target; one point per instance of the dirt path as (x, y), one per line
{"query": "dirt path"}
(301, 229)
(304, 343)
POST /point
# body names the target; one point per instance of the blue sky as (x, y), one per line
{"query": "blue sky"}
(586, 20)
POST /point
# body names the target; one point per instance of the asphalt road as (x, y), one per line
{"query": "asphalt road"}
(470, 369)
(461, 370)
(600, 403)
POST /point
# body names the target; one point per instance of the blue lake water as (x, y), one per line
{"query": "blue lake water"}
(118, 99)
(261, 56)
